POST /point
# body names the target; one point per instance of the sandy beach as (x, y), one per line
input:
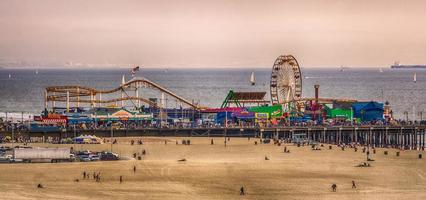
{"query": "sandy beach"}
(218, 172)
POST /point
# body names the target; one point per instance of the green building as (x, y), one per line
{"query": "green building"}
(274, 111)
(339, 113)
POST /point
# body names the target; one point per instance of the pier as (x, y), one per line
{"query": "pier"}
(407, 137)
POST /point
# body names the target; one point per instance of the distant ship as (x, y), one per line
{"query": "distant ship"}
(415, 77)
(252, 79)
(398, 65)
(343, 68)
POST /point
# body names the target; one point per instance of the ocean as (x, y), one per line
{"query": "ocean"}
(24, 90)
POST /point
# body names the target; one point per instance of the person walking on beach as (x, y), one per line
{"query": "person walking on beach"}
(242, 192)
(353, 184)
(368, 155)
(94, 175)
(121, 179)
(84, 175)
(334, 187)
(134, 168)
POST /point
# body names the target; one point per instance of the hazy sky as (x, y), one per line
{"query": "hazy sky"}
(216, 33)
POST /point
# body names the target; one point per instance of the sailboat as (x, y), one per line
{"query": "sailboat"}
(415, 77)
(123, 80)
(380, 70)
(36, 72)
(252, 79)
(10, 76)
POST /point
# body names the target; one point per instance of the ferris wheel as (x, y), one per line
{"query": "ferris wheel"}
(286, 80)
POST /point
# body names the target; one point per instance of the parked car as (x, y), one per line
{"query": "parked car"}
(94, 157)
(109, 156)
(84, 158)
(6, 158)
(84, 152)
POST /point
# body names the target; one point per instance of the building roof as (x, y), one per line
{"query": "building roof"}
(367, 106)
(248, 96)
(239, 98)
(342, 105)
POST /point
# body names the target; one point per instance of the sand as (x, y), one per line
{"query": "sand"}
(218, 172)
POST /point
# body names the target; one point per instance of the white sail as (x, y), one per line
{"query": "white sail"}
(252, 79)
(415, 77)
(10, 76)
(123, 80)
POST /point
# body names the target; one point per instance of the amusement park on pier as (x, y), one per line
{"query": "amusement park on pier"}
(139, 106)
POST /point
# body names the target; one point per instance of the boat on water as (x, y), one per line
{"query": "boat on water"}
(252, 79)
(343, 68)
(415, 77)
(380, 70)
(398, 65)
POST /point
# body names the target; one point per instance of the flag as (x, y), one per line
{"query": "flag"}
(134, 70)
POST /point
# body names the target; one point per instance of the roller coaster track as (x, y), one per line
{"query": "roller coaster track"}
(59, 93)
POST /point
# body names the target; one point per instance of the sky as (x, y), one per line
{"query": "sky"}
(216, 33)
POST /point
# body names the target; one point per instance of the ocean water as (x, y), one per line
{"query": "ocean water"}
(24, 91)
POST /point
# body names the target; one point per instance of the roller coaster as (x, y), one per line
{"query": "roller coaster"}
(86, 95)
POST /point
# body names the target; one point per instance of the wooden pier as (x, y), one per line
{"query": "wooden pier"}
(409, 137)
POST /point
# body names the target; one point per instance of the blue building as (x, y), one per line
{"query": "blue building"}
(368, 111)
